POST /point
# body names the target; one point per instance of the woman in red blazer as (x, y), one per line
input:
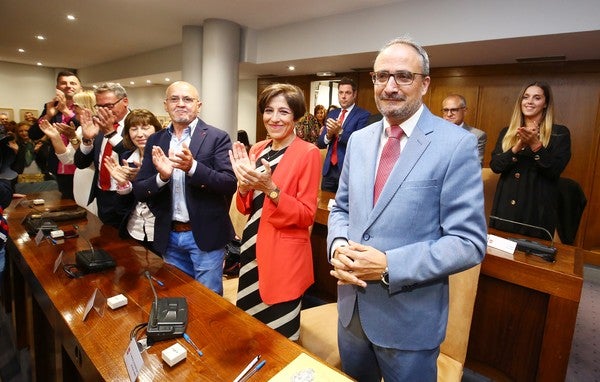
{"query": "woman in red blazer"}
(278, 184)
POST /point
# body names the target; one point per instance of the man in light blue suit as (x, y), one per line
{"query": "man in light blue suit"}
(392, 257)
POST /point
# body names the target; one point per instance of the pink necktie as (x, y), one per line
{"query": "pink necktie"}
(389, 156)
(334, 155)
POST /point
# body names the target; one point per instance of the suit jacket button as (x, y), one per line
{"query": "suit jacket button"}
(513, 202)
(366, 236)
(517, 175)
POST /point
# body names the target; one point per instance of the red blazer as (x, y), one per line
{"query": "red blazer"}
(283, 250)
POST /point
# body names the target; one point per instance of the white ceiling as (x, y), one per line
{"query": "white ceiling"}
(109, 30)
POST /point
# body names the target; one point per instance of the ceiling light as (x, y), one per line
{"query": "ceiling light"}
(21, 50)
(291, 68)
(167, 79)
(70, 17)
(95, 86)
(325, 74)
(148, 81)
(131, 82)
(40, 37)
(39, 64)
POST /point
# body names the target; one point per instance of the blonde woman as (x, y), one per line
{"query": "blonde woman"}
(530, 155)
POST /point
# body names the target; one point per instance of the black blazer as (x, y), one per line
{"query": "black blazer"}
(207, 193)
(36, 133)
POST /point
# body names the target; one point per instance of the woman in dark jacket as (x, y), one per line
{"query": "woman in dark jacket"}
(530, 155)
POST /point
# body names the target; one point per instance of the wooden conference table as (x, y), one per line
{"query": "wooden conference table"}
(47, 309)
(525, 310)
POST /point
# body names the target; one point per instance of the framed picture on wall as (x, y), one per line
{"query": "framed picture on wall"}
(164, 120)
(9, 112)
(22, 113)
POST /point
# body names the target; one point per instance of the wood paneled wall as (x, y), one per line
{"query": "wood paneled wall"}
(491, 92)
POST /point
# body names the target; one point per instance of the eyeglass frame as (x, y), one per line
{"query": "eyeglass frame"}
(413, 74)
(453, 110)
(109, 106)
(174, 100)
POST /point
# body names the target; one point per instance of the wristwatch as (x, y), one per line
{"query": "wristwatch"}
(74, 141)
(385, 277)
(87, 141)
(273, 194)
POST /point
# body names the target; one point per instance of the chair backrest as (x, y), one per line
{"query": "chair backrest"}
(463, 289)
(490, 179)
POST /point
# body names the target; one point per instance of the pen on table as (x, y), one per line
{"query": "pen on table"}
(254, 371)
(189, 341)
(247, 368)
(157, 281)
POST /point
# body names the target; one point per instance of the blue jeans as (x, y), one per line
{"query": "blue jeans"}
(206, 267)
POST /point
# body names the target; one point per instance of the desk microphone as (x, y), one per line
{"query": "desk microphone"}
(168, 316)
(92, 260)
(547, 253)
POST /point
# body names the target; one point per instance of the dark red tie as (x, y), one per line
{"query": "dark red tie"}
(334, 154)
(104, 173)
(389, 156)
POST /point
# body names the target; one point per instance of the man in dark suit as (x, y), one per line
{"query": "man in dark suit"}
(408, 213)
(340, 124)
(454, 108)
(102, 136)
(187, 181)
(60, 110)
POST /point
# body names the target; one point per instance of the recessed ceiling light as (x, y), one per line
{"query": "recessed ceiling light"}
(95, 86)
(40, 37)
(71, 17)
(148, 81)
(167, 79)
(21, 50)
(39, 64)
(131, 82)
(291, 68)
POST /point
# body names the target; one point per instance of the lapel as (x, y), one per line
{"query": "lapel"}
(409, 157)
(198, 137)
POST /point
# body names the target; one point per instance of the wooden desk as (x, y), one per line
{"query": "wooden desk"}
(525, 309)
(525, 315)
(48, 307)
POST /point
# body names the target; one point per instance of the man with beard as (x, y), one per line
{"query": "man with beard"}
(408, 213)
(187, 180)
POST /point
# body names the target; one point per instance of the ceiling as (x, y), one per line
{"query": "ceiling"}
(108, 30)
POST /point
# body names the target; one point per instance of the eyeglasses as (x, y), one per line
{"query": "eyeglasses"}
(187, 100)
(109, 105)
(452, 111)
(402, 77)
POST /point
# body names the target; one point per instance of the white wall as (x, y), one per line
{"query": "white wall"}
(29, 87)
(25, 87)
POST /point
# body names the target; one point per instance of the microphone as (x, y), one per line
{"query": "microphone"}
(547, 253)
(92, 260)
(168, 316)
(154, 312)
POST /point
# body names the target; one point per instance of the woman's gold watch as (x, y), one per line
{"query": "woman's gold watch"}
(74, 141)
(273, 194)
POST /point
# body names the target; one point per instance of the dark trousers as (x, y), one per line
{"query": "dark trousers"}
(65, 185)
(331, 180)
(112, 207)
